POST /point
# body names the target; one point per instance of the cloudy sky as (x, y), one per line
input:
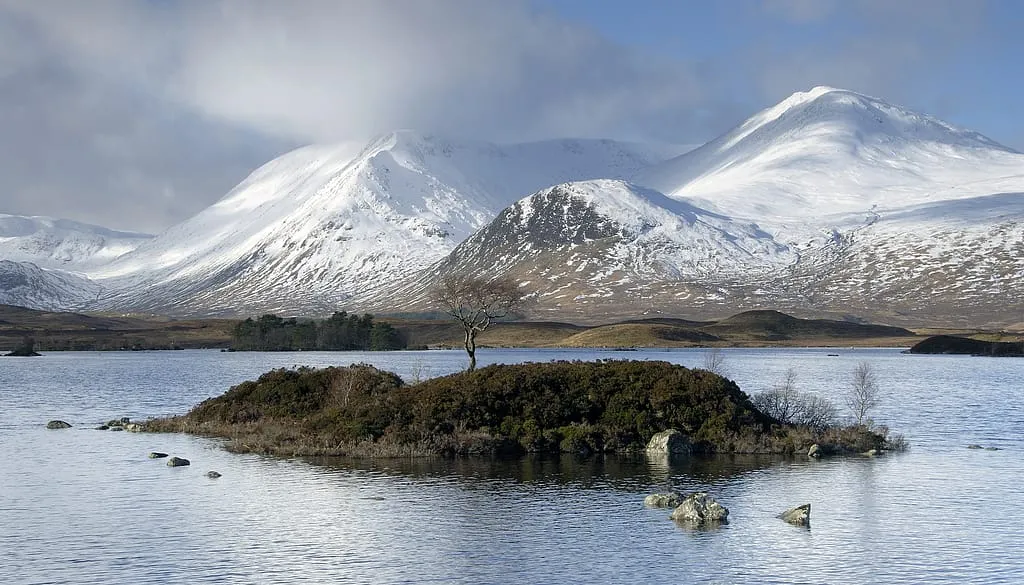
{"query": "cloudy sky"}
(136, 114)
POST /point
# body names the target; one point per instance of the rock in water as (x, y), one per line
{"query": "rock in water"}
(801, 515)
(133, 427)
(671, 442)
(178, 462)
(212, 474)
(57, 424)
(670, 500)
(700, 509)
(814, 451)
(157, 455)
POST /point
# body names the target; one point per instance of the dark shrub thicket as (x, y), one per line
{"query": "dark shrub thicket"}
(604, 406)
(341, 331)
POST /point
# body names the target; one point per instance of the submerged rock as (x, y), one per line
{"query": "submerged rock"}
(993, 449)
(973, 446)
(800, 515)
(212, 474)
(670, 442)
(102, 428)
(669, 500)
(178, 462)
(700, 509)
(157, 455)
(58, 424)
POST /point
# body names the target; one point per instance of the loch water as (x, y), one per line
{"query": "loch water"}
(87, 506)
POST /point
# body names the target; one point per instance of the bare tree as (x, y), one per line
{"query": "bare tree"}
(787, 404)
(714, 361)
(863, 396)
(475, 303)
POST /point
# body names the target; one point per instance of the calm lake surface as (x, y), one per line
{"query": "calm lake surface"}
(86, 506)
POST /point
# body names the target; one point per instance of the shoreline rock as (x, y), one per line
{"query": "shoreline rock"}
(670, 442)
(700, 510)
(663, 500)
(178, 462)
(799, 516)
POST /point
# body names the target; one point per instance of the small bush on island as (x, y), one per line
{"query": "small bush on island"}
(578, 407)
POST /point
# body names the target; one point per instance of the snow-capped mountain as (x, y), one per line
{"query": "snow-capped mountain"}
(829, 203)
(822, 156)
(312, 228)
(26, 285)
(585, 247)
(62, 244)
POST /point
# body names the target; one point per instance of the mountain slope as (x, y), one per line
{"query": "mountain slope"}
(309, 230)
(587, 247)
(826, 154)
(62, 244)
(26, 285)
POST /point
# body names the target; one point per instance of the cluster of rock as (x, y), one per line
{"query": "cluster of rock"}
(976, 446)
(121, 424)
(125, 424)
(699, 510)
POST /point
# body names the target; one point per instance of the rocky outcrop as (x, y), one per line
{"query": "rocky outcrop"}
(670, 442)
(178, 462)
(58, 424)
(700, 510)
(669, 500)
(800, 515)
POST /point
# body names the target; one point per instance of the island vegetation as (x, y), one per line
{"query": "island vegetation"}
(577, 407)
(340, 332)
(952, 344)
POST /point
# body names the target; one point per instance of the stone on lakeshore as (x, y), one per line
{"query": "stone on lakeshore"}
(178, 462)
(814, 451)
(212, 474)
(671, 442)
(870, 453)
(57, 424)
(115, 422)
(800, 516)
(700, 509)
(133, 427)
(157, 455)
(670, 500)
(117, 428)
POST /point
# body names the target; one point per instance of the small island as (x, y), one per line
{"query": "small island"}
(606, 406)
(26, 349)
(952, 344)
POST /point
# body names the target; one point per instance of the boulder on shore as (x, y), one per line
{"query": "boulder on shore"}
(800, 515)
(669, 500)
(699, 509)
(178, 462)
(58, 424)
(671, 442)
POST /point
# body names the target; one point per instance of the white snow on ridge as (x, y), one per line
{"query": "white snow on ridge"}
(329, 222)
(62, 244)
(827, 152)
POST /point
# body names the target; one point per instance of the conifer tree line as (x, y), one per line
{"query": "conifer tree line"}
(341, 331)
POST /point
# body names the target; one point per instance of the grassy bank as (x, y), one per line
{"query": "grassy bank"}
(576, 407)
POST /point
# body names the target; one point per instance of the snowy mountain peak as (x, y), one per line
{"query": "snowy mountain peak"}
(828, 152)
(62, 244)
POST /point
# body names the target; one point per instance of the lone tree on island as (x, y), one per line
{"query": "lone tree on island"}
(475, 303)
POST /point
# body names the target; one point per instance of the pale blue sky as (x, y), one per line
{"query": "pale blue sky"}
(961, 60)
(136, 114)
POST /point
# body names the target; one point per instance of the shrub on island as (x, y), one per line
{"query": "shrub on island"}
(578, 407)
